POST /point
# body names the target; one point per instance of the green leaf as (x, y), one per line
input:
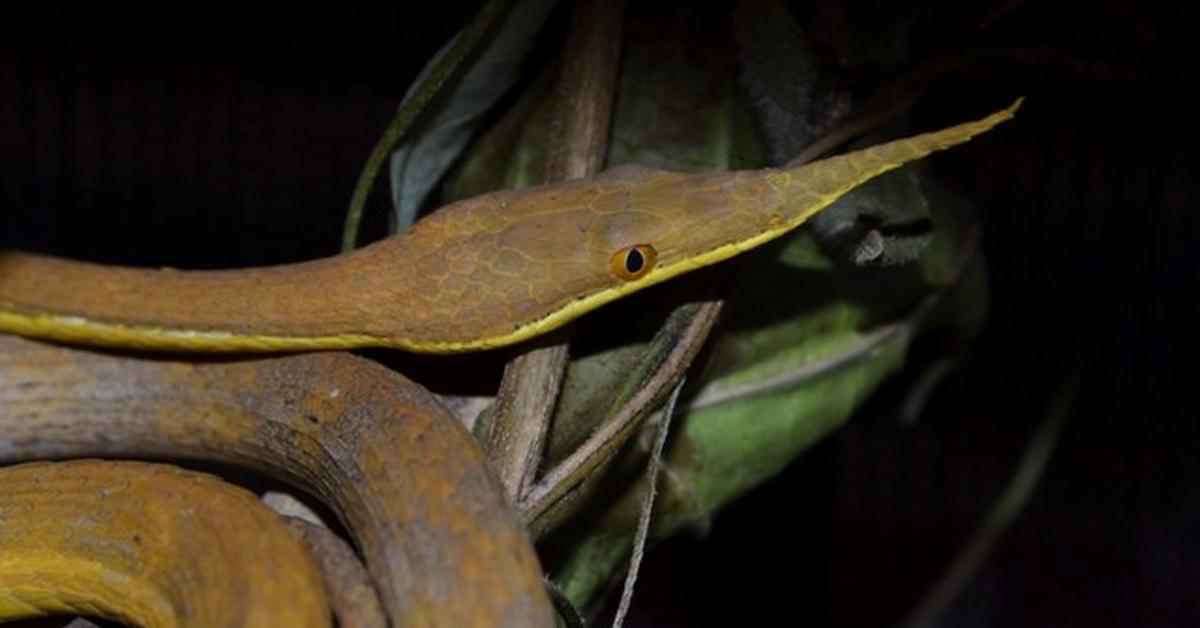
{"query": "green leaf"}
(441, 134)
(512, 153)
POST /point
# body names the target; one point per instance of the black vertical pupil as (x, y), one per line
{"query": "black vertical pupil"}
(634, 261)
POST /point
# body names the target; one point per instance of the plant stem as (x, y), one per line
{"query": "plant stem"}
(1006, 509)
(529, 391)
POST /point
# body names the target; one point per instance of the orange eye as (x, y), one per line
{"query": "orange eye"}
(633, 262)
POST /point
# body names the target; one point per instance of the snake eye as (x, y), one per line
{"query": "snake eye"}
(633, 262)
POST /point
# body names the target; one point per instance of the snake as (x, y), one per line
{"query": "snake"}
(481, 273)
(439, 536)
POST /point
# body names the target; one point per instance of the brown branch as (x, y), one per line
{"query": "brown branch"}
(852, 130)
(528, 393)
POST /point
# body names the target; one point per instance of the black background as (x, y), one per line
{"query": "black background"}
(197, 135)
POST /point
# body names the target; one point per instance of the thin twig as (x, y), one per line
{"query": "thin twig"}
(927, 382)
(993, 17)
(430, 87)
(686, 330)
(857, 127)
(1004, 511)
(529, 391)
(644, 517)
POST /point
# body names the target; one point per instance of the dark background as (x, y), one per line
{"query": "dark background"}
(195, 136)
